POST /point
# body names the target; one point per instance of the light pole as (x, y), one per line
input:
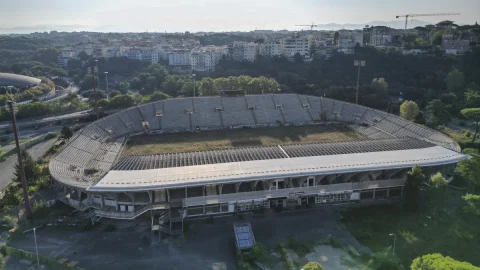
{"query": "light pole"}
(95, 107)
(11, 107)
(194, 76)
(359, 64)
(36, 247)
(394, 240)
(106, 81)
(96, 64)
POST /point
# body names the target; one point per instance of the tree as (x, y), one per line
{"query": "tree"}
(437, 191)
(469, 168)
(157, 95)
(385, 260)
(409, 110)
(206, 87)
(455, 80)
(437, 113)
(436, 261)
(474, 115)
(258, 253)
(114, 93)
(121, 101)
(472, 202)
(30, 167)
(66, 132)
(415, 179)
(312, 266)
(436, 38)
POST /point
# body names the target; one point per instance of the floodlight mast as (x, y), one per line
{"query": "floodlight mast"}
(11, 107)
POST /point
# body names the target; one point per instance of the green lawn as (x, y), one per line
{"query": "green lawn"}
(453, 235)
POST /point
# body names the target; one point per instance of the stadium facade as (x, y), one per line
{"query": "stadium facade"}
(174, 186)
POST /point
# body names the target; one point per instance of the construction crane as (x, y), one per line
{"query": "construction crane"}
(423, 15)
(310, 25)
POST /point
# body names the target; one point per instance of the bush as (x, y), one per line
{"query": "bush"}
(110, 228)
(467, 134)
(258, 253)
(312, 266)
(38, 205)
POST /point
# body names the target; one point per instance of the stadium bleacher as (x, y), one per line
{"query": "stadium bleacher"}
(93, 150)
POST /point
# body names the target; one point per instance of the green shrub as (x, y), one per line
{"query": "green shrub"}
(110, 228)
(258, 253)
(38, 205)
(312, 266)
(467, 133)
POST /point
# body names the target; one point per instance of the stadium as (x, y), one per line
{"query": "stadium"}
(257, 151)
(19, 81)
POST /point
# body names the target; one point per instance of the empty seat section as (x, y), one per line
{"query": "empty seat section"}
(205, 114)
(315, 107)
(235, 112)
(174, 116)
(352, 112)
(265, 110)
(327, 107)
(292, 108)
(387, 126)
(149, 114)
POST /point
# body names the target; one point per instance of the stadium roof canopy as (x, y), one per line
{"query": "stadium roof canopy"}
(20, 81)
(222, 173)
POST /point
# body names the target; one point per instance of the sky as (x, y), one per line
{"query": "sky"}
(222, 15)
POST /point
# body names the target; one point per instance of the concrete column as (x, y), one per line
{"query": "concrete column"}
(89, 198)
(102, 201)
(203, 209)
(168, 195)
(237, 186)
(254, 185)
(373, 193)
(79, 195)
(401, 191)
(150, 196)
(185, 192)
(220, 189)
(388, 192)
(318, 179)
(203, 191)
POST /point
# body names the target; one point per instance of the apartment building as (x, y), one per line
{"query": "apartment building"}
(271, 48)
(206, 58)
(250, 51)
(179, 58)
(294, 45)
(456, 47)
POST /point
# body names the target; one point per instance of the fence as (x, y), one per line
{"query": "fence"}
(49, 262)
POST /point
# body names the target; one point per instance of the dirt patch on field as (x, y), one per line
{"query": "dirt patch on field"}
(211, 140)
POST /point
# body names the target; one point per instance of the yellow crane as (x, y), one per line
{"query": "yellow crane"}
(309, 25)
(423, 15)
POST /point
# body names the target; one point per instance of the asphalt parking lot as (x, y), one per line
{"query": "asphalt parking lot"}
(205, 245)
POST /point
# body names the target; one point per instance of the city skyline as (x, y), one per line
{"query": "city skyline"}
(216, 15)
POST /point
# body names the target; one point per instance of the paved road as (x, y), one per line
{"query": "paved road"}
(6, 167)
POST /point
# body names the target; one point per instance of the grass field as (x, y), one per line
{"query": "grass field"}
(210, 140)
(451, 234)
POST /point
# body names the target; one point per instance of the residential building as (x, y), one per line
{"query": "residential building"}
(179, 58)
(294, 45)
(250, 51)
(271, 48)
(456, 46)
(206, 58)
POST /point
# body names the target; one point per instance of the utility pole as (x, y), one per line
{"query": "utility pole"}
(106, 81)
(360, 64)
(11, 106)
(95, 106)
(194, 76)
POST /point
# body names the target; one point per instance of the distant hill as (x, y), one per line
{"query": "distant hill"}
(399, 24)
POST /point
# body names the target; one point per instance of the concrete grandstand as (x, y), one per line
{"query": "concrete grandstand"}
(174, 186)
(19, 81)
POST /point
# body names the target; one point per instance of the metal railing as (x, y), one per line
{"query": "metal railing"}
(288, 192)
(133, 214)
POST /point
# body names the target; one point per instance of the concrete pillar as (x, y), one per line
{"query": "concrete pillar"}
(318, 179)
(89, 198)
(102, 201)
(220, 189)
(254, 185)
(203, 191)
(373, 193)
(388, 192)
(79, 195)
(185, 192)
(401, 191)
(150, 196)
(168, 195)
(237, 186)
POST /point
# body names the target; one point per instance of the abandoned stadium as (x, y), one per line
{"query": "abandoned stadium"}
(94, 176)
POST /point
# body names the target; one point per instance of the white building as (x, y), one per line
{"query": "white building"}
(250, 51)
(206, 58)
(65, 56)
(271, 48)
(294, 45)
(179, 58)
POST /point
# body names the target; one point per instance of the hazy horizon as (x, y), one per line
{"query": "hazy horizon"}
(221, 15)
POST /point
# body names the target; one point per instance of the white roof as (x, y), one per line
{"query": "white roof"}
(141, 180)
